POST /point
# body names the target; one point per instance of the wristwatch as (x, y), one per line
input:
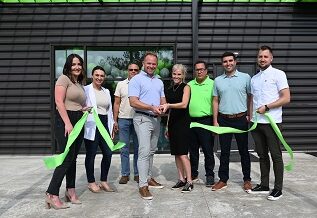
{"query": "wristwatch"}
(266, 108)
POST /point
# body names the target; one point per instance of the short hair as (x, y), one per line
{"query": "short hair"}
(97, 68)
(134, 64)
(201, 62)
(182, 68)
(68, 68)
(228, 54)
(149, 53)
(265, 47)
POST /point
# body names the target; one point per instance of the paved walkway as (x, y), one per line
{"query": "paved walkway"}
(24, 179)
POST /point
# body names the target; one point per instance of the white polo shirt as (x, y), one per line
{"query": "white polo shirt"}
(265, 88)
(125, 110)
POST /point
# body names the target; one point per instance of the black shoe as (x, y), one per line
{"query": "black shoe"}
(210, 181)
(259, 189)
(179, 184)
(275, 195)
(188, 187)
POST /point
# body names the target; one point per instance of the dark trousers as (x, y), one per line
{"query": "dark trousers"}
(225, 144)
(68, 167)
(91, 151)
(204, 139)
(265, 141)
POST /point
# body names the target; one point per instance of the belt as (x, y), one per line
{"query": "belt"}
(230, 116)
(197, 119)
(147, 114)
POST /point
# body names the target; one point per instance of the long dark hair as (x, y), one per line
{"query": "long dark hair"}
(68, 68)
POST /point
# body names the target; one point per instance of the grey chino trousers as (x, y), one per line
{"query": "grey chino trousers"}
(148, 130)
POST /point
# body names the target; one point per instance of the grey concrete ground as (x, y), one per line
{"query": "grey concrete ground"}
(24, 179)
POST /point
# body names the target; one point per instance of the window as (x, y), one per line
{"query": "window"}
(61, 55)
(115, 61)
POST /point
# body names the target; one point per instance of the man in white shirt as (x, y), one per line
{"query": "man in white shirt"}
(123, 115)
(270, 91)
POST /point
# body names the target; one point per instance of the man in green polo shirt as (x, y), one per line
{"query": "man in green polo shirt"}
(200, 110)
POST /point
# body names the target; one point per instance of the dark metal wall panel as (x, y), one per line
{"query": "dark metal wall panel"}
(291, 30)
(26, 34)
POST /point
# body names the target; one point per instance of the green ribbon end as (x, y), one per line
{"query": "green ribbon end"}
(224, 130)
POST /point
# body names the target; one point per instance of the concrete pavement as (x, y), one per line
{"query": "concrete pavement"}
(24, 179)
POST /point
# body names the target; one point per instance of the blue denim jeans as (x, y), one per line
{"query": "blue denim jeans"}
(126, 130)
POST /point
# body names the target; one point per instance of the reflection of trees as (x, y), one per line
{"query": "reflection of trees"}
(128, 57)
(164, 54)
(119, 63)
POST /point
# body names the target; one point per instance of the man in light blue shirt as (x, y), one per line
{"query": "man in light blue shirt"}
(146, 94)
(231, 106)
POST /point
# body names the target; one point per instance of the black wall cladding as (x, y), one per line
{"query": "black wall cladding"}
(27, 32)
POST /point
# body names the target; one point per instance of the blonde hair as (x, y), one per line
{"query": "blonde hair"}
(182, 68)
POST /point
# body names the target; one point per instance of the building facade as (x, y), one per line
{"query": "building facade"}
(31, 35)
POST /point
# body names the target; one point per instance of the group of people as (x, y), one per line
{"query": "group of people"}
(72, 98)
(233, 99)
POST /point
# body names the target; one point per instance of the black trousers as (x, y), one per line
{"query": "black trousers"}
(266, 141)
(242, 143)
(91, 151)
(204, 139)
(68, 167)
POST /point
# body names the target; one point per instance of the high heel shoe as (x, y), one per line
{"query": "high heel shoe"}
(94, 188)
(50, 203)
(106, 189)
(69, 199)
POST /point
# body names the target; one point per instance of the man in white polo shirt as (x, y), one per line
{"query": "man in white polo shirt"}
(123, 116)
(270, 91)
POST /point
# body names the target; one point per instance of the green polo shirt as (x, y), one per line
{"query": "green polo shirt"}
(200, 104)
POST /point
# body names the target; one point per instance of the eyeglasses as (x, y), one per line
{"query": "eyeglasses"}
(200, 70)
(134, 70)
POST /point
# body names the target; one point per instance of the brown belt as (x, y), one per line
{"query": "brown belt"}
(233, 115)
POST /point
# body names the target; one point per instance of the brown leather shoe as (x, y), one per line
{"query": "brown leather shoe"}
(124, 180)
(145, 193)
(218, 186)
(247, 186)
(154, 184)
(136, 178)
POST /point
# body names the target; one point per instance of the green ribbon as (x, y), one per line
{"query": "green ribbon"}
(56, 160)
(104, 133)
(224, 130)
(277, 131)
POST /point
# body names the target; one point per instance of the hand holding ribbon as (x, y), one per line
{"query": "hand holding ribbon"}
(56, 160)
(224, 130)
(104, 133)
